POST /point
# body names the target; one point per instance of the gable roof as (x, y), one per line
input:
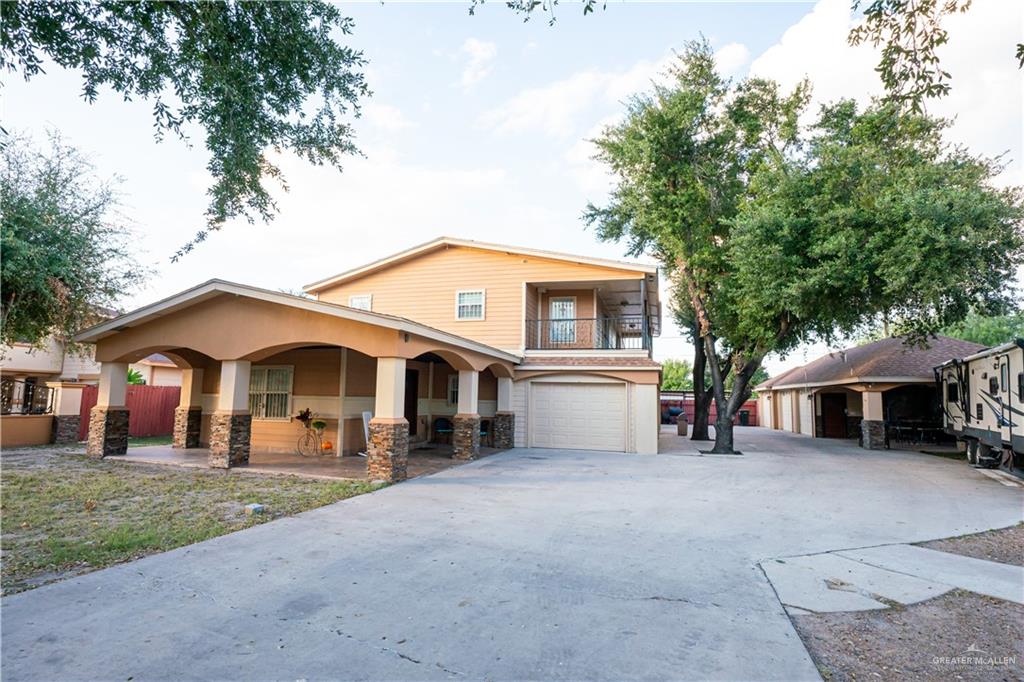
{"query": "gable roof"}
(879, 361)
(217, 287)
(443, 242)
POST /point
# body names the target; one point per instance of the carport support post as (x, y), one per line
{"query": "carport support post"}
(387, 452)
(231, 424)
(504, 418)
(872, 426)
(466, 427)
(188, 415)
(108, 420)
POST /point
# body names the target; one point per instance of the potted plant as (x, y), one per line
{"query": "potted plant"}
(305, 417)
(319, 425)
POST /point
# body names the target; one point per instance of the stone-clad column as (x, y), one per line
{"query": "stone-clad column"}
(504, 418)
(873, 425)
(387, 452)
(466, 424)
(188, 416)
(67, 411)
(108, 420)
(231, 424)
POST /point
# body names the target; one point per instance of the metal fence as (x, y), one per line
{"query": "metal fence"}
(601, 333)
(25, 397)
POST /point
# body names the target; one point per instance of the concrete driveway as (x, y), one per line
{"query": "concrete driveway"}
(530, 564)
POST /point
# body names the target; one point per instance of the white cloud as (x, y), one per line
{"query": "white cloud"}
(561, 107)
(481, 54)
(386, 117)
(986, 97)
(732, 58)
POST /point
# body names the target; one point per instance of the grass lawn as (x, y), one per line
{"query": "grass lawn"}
(65, 514)
(140, 441)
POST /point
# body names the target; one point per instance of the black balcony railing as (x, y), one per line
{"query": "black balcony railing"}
(603, 333)
(25, 397)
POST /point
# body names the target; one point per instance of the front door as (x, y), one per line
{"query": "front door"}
(833, 415)
(563, 321)
(412, 392)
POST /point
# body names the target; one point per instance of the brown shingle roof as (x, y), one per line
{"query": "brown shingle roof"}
(888, 358)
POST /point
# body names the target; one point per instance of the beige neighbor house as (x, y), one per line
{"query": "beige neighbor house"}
(442, 340)
(158, 370)
(868, 392)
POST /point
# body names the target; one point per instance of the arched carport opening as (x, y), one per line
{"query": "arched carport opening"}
(838, 413)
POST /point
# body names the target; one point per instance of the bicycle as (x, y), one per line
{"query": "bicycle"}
(311, 442)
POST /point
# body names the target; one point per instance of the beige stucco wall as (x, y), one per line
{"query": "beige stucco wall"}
(423, 289)
(18, 430)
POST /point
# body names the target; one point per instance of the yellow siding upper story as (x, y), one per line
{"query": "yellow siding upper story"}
(423, 289)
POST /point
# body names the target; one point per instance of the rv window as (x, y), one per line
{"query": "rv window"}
(993, 385)
(952, 392)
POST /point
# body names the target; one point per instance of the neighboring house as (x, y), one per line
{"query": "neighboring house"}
(862, 392)
(443, 340)
(158, 370)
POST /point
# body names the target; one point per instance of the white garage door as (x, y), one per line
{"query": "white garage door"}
(578, 416)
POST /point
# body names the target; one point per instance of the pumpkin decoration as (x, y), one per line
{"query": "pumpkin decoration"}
(326, 446)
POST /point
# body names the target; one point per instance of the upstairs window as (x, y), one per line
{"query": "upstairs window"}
(270, 392)
(469, 305)
(362, 301)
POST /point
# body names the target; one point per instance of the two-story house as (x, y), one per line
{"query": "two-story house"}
(450, 339)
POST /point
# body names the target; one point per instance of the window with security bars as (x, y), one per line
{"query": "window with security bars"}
(469, 305)
(270, 390)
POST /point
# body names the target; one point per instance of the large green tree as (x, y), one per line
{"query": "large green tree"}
(66, 251)
(989, 330)
(779, 235)
(676, 375)
(254, 76)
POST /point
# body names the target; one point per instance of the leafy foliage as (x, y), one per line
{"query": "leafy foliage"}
(256, 76)
(909, 31)
(676, 375)
(775, 234)
(65, 249)
(135, 377)
(990, 330)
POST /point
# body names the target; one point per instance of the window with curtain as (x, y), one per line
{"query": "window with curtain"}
(270, 392)
(469, 305)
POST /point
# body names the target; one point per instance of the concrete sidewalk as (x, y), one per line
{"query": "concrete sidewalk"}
(530, 564)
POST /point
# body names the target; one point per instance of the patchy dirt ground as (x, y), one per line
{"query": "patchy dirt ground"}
(62, 514)
(958, 636)
(1005, 545)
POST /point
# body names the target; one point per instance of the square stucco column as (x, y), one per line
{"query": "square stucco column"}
(108, 420)
(387, 452)
(466, 425)
(188, 416)
(647, 413)
(67, 411)
(504, 418)
(231, 424)
(872, 427)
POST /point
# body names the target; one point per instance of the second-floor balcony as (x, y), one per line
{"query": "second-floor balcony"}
(631, 332)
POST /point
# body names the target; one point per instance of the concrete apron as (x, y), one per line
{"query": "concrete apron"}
(532, 564)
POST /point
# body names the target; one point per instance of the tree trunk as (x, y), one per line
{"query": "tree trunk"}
(701, 395)
(728, 407)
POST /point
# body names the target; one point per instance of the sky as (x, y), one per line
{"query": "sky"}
(478, 128)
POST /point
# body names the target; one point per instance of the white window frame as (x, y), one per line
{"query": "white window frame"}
(452, 396)
(483, 305)
(568, 323)
(356, 297)
(291, 392)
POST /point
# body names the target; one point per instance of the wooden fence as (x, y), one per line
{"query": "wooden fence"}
(684, 401)
(151, 409)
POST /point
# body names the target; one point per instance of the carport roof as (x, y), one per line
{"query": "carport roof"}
(217, 287)
(880, 361)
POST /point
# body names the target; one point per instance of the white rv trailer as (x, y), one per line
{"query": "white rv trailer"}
(983, 404)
